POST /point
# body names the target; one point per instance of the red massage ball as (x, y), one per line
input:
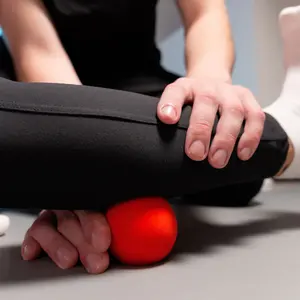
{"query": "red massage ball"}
(144, 230)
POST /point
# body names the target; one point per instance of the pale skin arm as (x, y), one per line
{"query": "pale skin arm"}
(208, 87)
(209, 45)
(37, 52)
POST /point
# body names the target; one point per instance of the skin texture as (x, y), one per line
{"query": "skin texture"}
(68, 237)
(36, 50)
(39, 57)
(207, 85)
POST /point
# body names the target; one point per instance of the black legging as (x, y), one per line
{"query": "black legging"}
(59, 144)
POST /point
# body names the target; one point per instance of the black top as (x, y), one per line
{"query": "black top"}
(107, 35)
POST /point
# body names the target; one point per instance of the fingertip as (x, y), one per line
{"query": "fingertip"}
(219, 158)
(96, 263)
(245, 154)
(65, 257)
(247, 146)
(168, 114)
(30, 249)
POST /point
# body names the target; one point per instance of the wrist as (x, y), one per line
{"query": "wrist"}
(214, 66)
(210, 72)
(37, 66)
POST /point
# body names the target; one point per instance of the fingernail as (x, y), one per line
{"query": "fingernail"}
(220, 158)
(27, 250)
(94, 263)
(64, 257)
(197, 149)
(170, 111)
(245, 153)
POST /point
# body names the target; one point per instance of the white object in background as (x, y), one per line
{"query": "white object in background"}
(268, 185)
(4, 224)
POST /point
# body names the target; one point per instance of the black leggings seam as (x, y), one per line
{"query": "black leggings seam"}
(77, 112)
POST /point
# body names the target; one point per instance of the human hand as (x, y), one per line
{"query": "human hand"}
(68, 236)
(235, 104)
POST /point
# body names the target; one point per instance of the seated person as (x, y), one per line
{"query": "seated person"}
(62, 110)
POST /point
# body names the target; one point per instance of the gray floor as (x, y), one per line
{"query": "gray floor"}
(235, 254)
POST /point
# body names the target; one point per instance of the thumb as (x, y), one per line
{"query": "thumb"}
(170, 105)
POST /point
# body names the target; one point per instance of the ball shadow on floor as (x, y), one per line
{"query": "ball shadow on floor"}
(196, 235)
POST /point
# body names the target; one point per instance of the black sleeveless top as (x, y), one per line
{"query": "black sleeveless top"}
(107, 35)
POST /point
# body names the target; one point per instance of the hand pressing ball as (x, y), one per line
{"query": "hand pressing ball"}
(144, 230)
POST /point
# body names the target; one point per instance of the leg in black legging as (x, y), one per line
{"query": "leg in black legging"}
(74, 139)
(153, 82)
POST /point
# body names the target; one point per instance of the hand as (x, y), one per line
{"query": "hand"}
(68, 236)
(208, 96)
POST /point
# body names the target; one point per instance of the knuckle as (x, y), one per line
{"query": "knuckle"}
(53, 243)
(175, 87)
(208, 98)
(169, 88)
(241, 89)
(207, 93)
(256, 112)
(222, 143)
(181, 81)
(254, 137)
(64, 225)
(227, 140)
(243, 92)
(230, 138)
(260, 115)
(200, 127)
(235, 109)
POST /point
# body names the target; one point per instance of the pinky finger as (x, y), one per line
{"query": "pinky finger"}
(31, 249)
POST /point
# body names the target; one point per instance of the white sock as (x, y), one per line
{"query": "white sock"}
(4, 224)
(286, 109)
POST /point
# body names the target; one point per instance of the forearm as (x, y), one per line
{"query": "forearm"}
(34, 44)
(41, 66)
(209, 46)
